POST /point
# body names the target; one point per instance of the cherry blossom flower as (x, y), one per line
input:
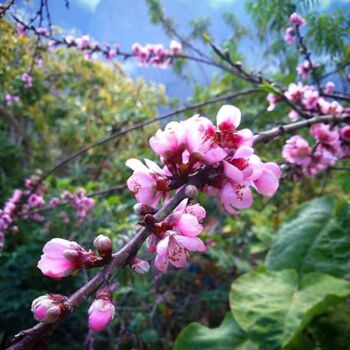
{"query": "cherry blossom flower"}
(295, 91)
(329, 87)
(296, 19)
(101, 311)
(289, 35)
(61, 258)
(148, 183)
(48, 308)
(174, 248)
(297, 150)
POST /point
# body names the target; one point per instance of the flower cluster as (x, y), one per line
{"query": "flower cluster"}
(309, 99)
(27, 80)
(187, 146)
(156, 54)
(296, 21)
(62, 258)
(331, 145)
(231, 168)
(82, 203)
(173, 238)
(11, 99)
(20, 204)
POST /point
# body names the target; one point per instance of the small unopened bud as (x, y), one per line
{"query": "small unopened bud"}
(48, 308)
(101, 311)
(191, 191)
(103, 244)
(140, 266)
(143, 209)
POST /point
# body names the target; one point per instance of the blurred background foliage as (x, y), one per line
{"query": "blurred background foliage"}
(74, 102)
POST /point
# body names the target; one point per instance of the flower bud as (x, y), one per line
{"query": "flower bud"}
(140, 266)
(191, 191)
(143, 209)
(48, 308)
(103, 244)
(101, 311)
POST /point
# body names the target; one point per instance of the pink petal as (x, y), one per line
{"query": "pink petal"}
(232, 172)
(192, 244)
(162, 246)
(177, 254)
(267, 183)
(99, 320)
(229, 115)
(161, 263)
(236, 196)
(189, 225)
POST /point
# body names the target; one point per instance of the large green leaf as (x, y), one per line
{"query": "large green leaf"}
(315, 238)
(274, 307)
(228, 336)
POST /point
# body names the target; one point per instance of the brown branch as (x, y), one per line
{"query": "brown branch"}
(307, 54)
(288, 128)
(338, 96)
(4, 8)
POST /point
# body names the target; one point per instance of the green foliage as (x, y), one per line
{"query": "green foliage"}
(274, 307)
(315, 238)
(228, 336)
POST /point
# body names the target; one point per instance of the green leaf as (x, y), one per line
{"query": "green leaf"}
(274, 307)
(268, 88)
(228, 336)
(315, 238)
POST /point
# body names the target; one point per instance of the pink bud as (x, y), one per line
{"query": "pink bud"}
(61, 258)
(296, 19)
(140, 266)
(101, 311)
(103, 244)
(48, 308)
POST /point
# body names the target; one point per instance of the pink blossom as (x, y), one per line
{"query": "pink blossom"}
(171, 142)
(54, 202)
(333, 108)
(27, 80)
(175, 47)
(329, 87)
(289, 35)
(83, 42)
(42, 31)
(21, 29)
(310, 99)
(70, 40)
(10, 99)
(148, 183)
(345, 133)
(140, 266)
(324, 133)
(48, 308)
(296, 19)
(295, 91)
(297, 150)
(61, 258)
(272, 99)
(293, 115)
(101, 311)
(35, 200)
(303, 69)
(174, 249)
